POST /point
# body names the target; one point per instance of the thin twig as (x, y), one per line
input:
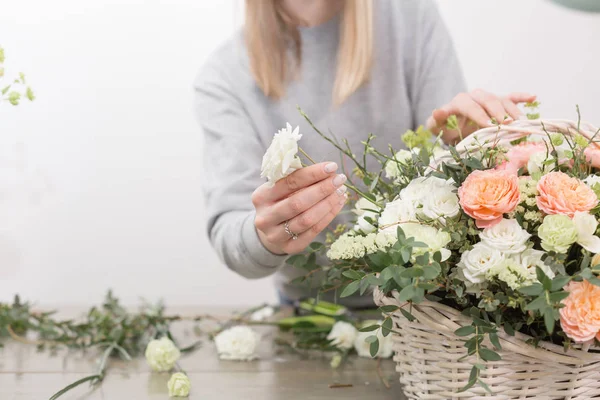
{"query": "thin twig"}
(380, 373)
(339, 385)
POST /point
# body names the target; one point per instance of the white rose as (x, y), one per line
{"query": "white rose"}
(396, 212)
(530, 259)
(366, 209)
(342, 335)
(537, 163)
(363, 348)
(162, 354)
(392, 169)
(280, 160)
(507, 236)
(476, 262)
(435, 239)
(586, 225)
(237, 343)
(441, 203)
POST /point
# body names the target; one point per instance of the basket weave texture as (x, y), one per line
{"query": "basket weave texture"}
(428, 353)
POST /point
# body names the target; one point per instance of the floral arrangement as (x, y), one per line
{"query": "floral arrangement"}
(507, 234)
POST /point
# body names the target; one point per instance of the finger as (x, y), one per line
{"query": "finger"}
(312, 216)
(464, 105)
(519, 97)
(306, 238)
(304, 199)
(511, 108)
(440, 116)
(297, 180)
(492, 105)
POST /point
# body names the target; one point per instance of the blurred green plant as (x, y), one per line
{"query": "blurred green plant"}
(17, 89)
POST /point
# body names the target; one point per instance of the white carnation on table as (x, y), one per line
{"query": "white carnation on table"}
(363, 348)
(507, 236)
(281, 158)
(262, 314)
(475, 263)
(162, 354)
(179, 385)
(237, 343)
(342, 335)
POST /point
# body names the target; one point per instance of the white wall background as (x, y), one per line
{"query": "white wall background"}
(100, 177)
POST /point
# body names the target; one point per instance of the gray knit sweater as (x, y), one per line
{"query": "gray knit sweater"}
(415, 70)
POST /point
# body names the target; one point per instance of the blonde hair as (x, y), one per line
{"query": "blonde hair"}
(270, 32)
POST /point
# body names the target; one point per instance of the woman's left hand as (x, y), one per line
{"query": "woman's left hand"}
(475, 110)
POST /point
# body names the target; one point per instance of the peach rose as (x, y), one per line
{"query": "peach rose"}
(580, 317)
(592, 154)
(561, 194)
(487, 195)
(518, 156)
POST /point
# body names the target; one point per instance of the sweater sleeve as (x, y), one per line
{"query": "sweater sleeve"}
(232, 158)
(437, 74)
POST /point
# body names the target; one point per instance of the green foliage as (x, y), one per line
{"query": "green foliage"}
(17, 89)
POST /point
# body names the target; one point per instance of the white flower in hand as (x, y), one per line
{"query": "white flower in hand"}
(179, 385)
(281, 159)
(342, 335)
(506, 236)
(162, 354)
(237, 343)
(586, 225)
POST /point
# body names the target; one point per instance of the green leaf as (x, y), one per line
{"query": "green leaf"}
(363, 285)
(508, 328)
(350, 289)
(407, 315)
(5, 89)
(388, 309)
(537, 304)
(557, 297)
(549, 320)
(560, 282)
(543, 278)
(369, 328)
(495, 341)
(484, 386)
(489, 355)
(371, 339)
(374, 349)
(407, 293)
(316, 246)
(386, 327)
(396, 272)
(472, 380)
(297, 260)
(534, 290)
(465, 331)
(352, 274)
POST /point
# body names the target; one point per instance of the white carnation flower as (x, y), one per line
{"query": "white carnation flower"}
(262, 314)
(475, 263)
(281, 159)
(342, 335)
(435, 239)
(237, 343)
(507, 236)
(363, 348)
(395, 213)
(179, 385)
(162, 354)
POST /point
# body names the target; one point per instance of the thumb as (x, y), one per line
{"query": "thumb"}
(440, 116)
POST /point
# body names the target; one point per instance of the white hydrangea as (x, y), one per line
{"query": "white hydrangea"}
(237, 343)
(281, 158)
(475, 263)
(506, 236)
(342, 335)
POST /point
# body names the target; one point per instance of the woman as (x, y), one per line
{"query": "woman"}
(354, 66)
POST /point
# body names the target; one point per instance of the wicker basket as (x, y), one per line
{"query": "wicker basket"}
(427, 351)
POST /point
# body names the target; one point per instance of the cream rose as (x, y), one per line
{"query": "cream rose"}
(440, 203)
(281, 158)
(507, 236)
(475, 263)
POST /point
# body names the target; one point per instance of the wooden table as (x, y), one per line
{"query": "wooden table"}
(26, 374)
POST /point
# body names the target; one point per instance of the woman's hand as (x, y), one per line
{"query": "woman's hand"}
(296, 209)
(475, 110)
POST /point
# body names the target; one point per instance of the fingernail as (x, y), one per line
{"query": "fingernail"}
(331, 167)
(341, 191)
(339, 180)
(508, 120)
(344, 198)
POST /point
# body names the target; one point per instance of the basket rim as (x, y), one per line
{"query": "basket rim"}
(516, 343)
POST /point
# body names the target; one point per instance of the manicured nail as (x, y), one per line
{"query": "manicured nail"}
(508, 120)
(339, 180)
(331, 167)
(341, 191)
(344, 198)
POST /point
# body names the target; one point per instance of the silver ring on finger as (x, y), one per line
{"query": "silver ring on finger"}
(292, 235)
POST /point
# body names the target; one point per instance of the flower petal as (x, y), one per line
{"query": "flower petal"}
(590, 243)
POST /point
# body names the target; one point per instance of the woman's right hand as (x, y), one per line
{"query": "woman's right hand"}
(307, 200)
